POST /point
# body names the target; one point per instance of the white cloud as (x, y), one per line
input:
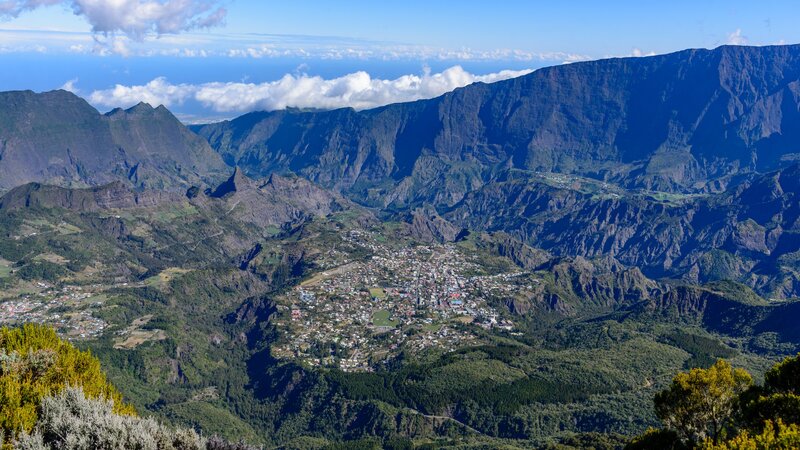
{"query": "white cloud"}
(736, 38)
(358, 50)
(133, 18)
(638, 53)
(137, 18)
(357, 90)
(70, 86)
(156, 92)
(197, 45)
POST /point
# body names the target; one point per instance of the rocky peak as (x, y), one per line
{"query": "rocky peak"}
(140, 108)
(426, 224)
(58, 138)
(237, 182)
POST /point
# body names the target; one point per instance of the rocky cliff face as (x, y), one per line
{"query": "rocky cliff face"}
(111, 196)
(748, 233)
(565, 162)
(683, 122)
(427, 225)
(580, 286)
(699, 126)
(58, 138)
(275, 200)
(521, 254)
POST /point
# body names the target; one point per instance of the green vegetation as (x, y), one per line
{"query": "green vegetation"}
(5, 268)
(705, 350)
(382, 318)
(699, 404)
(165, 276)
(719, 408)
(736, 291)
(41, 270)
(377, 293)
(35, 363)
(775, 436)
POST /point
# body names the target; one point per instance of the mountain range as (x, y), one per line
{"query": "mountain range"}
(683, 165)
(656, 161)
(691, 121)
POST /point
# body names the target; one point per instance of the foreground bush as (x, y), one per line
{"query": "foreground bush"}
(36, 363)
(775, 436)
(700, 404)
(70, 421)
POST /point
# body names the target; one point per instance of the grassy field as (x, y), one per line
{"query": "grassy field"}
(139, 337)
(171, 214)
(432, 327)
(51, 257)
(5, 268)
(66, 228)
(134, 335)
(44, 226)
(317, 278)
(271, 230)
(165, 276)
(377, 293)
(382, 318)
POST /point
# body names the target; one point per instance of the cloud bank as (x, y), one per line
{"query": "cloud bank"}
(356, 90)
(133, 18)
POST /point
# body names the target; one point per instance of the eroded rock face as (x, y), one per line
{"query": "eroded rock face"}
(427, 225)
(522, 254)
(693, 122)
(115, 195)
(723, 236)
(580, 285)
(276, 200)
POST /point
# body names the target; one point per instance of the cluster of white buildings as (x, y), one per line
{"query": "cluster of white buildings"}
(68, 309)
(360, 314)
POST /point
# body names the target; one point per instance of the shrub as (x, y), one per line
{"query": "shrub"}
(775, 436)
(70, 421)
(36, 363)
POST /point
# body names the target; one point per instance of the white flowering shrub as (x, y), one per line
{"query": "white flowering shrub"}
(70, 421)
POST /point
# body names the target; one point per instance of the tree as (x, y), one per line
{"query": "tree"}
(775, 436)
(778, 399)
(700, 404)
(784, 377)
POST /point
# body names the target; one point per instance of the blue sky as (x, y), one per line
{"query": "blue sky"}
(178, 51)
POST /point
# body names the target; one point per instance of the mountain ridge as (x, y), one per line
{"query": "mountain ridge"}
(56, 137)
(654, 122)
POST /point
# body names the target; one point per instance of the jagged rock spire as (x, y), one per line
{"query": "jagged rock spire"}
(237, 182)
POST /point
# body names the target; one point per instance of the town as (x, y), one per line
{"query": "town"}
(69, 309)
(361, 314)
